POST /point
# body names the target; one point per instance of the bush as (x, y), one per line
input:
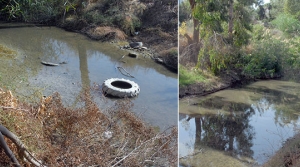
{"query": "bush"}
(287, 24)
(266, 60)
(293, 60)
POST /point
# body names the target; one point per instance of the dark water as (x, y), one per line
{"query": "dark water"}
(89, 63)
(247, 125)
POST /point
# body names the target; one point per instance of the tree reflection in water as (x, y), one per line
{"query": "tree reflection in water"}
(231, 132)
(250, 122)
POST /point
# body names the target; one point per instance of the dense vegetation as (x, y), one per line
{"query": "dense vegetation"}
(252, 39)
(54, 12)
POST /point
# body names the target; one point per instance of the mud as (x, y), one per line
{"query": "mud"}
(226, 80)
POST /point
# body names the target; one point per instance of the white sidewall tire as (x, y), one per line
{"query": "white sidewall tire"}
(110, 89)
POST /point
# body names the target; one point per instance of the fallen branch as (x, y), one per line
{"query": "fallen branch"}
(8, 152)
(132, 152)
(49, 64)
(4, 107)
(191, 155)
(127, 73)
(20, 146)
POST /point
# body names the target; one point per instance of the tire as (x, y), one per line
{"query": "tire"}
(120, 87)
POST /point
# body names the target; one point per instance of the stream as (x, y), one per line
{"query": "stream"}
(88, 63)
(241, 126)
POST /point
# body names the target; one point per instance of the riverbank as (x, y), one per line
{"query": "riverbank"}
(119, 22)
(157, 32)
(288, 155)
(211, 84)
(63, 136)
(88, 62)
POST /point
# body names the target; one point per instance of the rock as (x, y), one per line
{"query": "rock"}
(136, 44)
(132, 54)
(107, 134)
(149, 162)
(159, 60)
(143, 48)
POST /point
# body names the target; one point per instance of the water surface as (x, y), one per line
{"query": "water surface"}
(247, 124)
(89, 63)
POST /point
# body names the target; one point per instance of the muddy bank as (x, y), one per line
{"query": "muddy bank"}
(288, 155)
(224, 81)
(158, 31)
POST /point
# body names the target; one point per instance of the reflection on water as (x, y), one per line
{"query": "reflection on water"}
(88, 63)
(248, 124)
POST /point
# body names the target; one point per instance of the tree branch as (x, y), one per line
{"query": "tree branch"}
(20, 146)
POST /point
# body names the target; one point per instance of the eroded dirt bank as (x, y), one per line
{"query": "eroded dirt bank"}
(212, 85)
(152, 22)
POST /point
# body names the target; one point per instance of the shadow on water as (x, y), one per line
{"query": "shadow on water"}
(247, 124)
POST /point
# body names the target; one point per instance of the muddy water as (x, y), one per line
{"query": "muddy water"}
(89, 63)
(240, 126)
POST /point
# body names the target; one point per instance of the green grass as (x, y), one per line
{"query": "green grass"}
(187, 77)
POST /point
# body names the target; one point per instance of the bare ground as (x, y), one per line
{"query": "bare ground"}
(288, 155)
(158, 30)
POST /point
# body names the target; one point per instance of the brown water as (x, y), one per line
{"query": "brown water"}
(88, 63)
(238, 126)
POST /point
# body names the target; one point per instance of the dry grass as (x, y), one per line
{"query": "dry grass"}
(61, 136)
(106, 32)
(288, 155)
(6, 52)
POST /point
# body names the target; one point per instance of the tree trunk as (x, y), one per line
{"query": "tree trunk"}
(198, 132)
(196, 37)
(196, 23)
(230, 21)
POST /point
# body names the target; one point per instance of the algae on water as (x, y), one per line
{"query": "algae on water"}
(6, 52)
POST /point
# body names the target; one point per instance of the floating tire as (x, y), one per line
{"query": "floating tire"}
(120, 87)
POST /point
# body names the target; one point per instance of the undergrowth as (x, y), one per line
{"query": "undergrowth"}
(85, 136)
(187, 77)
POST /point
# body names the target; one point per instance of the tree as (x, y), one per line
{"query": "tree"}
(292, 7)
(277, 7)
(261, 12)
(196, 22)
(217, 44)
(184, 11)
(237, 13)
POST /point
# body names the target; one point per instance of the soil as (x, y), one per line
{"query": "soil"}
(158, 31)
(226, 80)
(288, 155)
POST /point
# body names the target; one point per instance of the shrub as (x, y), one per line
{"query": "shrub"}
(293, 60)
(266, 60)
(287, 24)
